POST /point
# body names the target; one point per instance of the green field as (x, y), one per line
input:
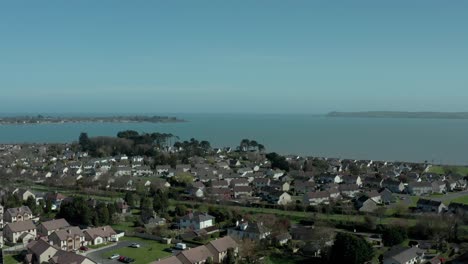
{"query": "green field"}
(463, 200)
(148, 252)
(444, 169)
(12, 259)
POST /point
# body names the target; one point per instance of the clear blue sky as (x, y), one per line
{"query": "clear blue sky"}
(233, 56)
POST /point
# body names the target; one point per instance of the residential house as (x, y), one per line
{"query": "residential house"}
(242, 191)
(427, 205)
(279, 197)
(316, 198)
(143, 171)
(280, 185)
(387, 196)
(393, 186)
(245, 230)
(219, 184)
(349, 190)
(450, 185)
(439, 187)
(301, 187)
(99, 235)
(22, 231)
(419, 188)
(351, 179)
(56, 199)
(375, 196)
(40, 251)
(239, 182)
(68, 239)
(48, 227)
(196, 221)
(366, 204)
(219, 248)
(220, 193)
(17, 214)
(259, 183)
(24, 194)
(403, 255)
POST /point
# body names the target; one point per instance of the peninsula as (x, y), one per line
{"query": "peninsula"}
(40, 119)
(396, 114)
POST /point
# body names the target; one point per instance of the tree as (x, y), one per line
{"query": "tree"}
(84, 141)
(160, 202)
(76, 212)
(350, 249)
(278, 161)
(31, 203)
(130, 199)
(393, 235)
(230, 257)
(103, 214)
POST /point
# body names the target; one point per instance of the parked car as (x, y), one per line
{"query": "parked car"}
(83, 248)
(135, 245)
(170, 250)
(115, 256)
(126, 259)
(181, 246)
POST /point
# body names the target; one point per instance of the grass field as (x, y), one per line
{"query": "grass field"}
(443, 169)
(148, 252)
(12, 259)
(463, 200)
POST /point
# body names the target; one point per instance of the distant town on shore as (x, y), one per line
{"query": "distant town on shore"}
(396, 114)
(40, 119)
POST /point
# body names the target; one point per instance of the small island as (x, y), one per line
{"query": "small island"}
(40, 119)
(396, 114)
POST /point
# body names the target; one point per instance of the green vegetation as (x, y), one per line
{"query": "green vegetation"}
(148, 252)
(462, 170)
(463, 200)
(12, 259)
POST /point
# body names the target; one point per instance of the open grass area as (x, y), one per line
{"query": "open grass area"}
(124, 226)
(282, 259)
(12, 259)
(148, 252)
(463, 200)
(462, 170)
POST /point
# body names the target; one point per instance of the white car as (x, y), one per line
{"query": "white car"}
(115, 256)
(135, 245)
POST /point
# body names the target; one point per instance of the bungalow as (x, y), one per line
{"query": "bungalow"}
(20, 231)
(393, 186)
(99, 235)
(24, 194)
(17, 214)
(48, 227)
(240, 191)
(69, 239)
(419, 188)
(439, 187)
(349, 190)
(403, 255)
(316, 198)
(427, 205)
(196, 221)
(245, 230)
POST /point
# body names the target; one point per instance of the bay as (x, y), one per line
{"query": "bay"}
(415, 140)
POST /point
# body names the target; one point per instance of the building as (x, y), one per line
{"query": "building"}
(99, 235)
(219, 248)
(68, 239)
(48, 227)
(419, 188)
(246, 230)
(20, 231)
(427, 205)
(316, 198)
(24, 194)
(196, 221)
(17, 214)
(39, 251)
(402, 255)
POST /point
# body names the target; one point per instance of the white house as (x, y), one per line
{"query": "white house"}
(196, 221)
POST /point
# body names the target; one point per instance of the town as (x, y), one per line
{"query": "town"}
(150, 198)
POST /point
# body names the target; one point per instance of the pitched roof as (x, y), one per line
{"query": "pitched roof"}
(19, 210)
(402, 254)
(55, 224)
(21, 226)
(169, 260)
(197, 216)
(221, 245)
(63, 234)
(64, 257)
(194, 255)
(38, 247)
(104, 231)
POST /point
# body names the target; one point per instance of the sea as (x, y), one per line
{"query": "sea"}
(438, 141)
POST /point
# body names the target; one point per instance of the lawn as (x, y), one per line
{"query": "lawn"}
(124, 226)
(462, 170)
(148, 252)
(285, 259)
(463, 200)
(12, 259)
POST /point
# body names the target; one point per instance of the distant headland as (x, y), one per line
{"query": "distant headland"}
(396, 114)
(40, 119)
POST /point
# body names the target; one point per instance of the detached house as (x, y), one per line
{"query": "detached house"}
(439, 187)
(99, 235)
(24, 194)
(254, 231)
(219, 248)
(196, 221)
(316, 198)
(17, 214)
(401, 255)
(20, 231)
(427, 205)
(393, 186)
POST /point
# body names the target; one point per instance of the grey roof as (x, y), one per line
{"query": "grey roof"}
(402, 254)
(55, 224)
(19, 210)
(197, 216)
(21, 226)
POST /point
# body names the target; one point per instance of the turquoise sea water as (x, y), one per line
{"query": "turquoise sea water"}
(438, 141)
